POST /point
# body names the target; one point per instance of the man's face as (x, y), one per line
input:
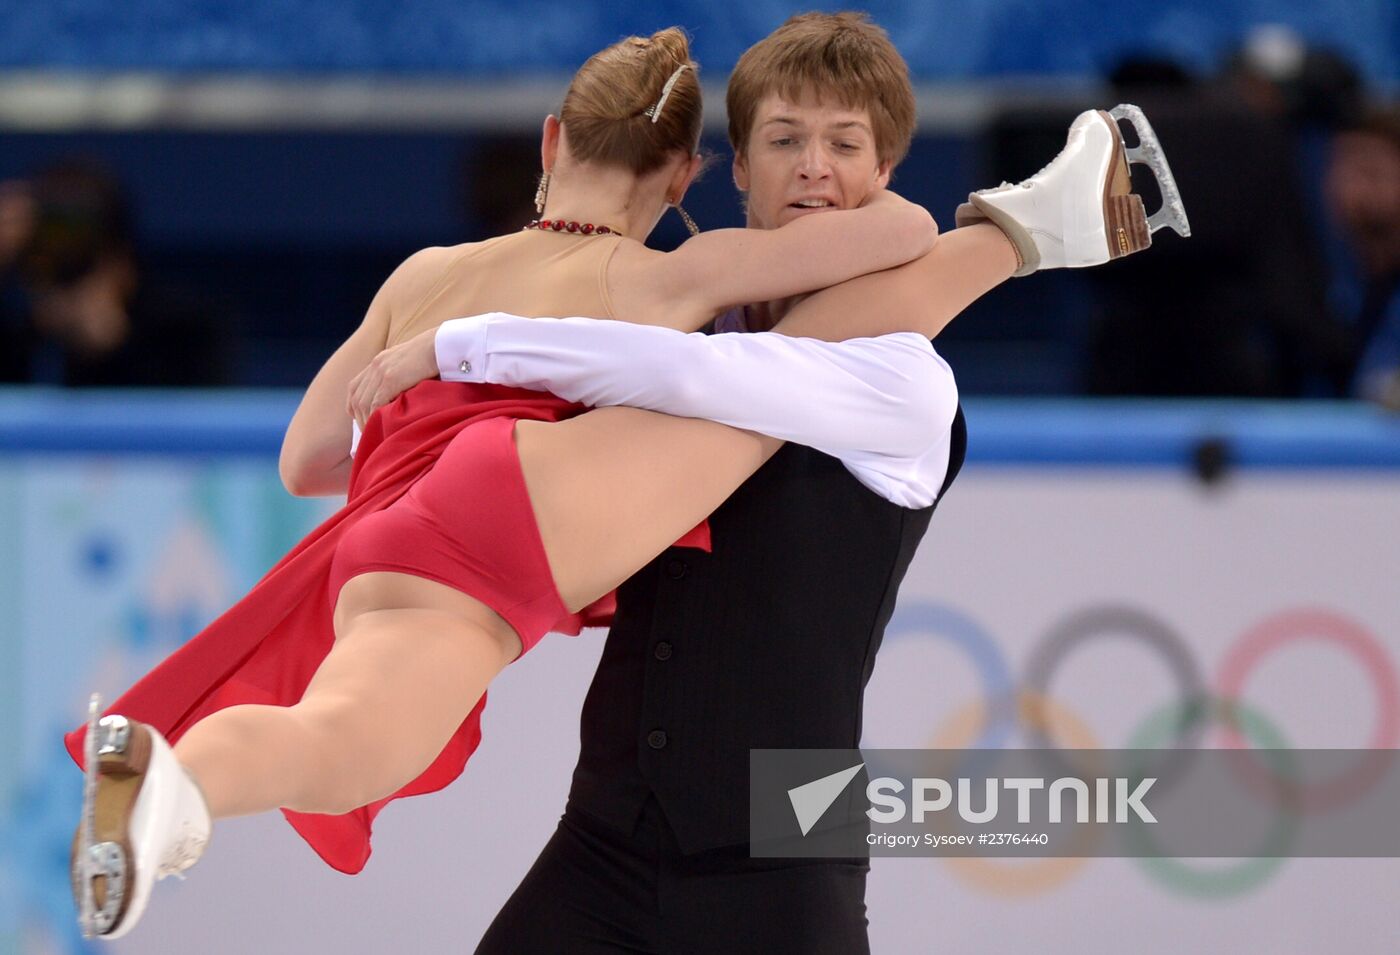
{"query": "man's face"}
(807, 158)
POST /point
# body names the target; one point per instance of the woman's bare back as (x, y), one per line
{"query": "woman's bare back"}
(525, 273)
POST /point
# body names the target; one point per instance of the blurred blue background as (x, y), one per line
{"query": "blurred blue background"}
(941, 40)
(277, 161)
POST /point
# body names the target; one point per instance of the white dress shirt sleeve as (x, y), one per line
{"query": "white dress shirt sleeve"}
(883, 406)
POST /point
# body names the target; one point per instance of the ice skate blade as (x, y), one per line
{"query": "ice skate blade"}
(107, 861)
(82, 854)
(1149, 153)
(115, 761)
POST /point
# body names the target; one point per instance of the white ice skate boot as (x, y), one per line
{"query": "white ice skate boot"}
(1080, 210)
(143, 819)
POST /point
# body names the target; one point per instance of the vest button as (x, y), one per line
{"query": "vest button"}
(662, 651)
(676, 568)
(656, 739)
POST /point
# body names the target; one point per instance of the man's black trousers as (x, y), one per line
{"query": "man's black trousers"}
(595, 890)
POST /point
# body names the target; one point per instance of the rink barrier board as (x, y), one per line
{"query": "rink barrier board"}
(1002, 432)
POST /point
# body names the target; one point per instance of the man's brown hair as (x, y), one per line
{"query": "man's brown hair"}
(840, 57)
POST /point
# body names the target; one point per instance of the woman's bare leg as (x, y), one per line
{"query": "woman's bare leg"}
(412, 657)
(613, 488)
(966, 264)
(410, 661)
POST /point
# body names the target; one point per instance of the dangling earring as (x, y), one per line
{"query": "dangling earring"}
(690, 225)
(542, 193)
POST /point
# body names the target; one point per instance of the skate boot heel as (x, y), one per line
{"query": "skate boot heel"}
(1126, 218)
(120, 751)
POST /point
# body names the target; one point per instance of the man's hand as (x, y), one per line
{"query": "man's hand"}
(390, 373)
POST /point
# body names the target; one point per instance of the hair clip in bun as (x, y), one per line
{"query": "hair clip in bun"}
(655, 111)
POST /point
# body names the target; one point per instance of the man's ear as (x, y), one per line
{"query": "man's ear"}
(549, 143)
(741, 174)
(882, 174)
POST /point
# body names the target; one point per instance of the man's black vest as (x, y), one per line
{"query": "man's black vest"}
(767, 642)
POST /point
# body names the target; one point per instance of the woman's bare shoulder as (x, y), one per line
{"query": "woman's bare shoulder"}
(418, 273)
(435, 258)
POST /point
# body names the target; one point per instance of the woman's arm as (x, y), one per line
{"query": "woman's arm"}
(685, 288)
(315, 457)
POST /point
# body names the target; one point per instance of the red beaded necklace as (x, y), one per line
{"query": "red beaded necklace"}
(581, 228)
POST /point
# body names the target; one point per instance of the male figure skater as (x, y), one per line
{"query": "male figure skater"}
(769, 640)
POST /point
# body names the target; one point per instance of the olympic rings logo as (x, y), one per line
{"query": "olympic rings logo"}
(1028, 706)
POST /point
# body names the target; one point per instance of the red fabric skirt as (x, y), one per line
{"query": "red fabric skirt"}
(470, 527)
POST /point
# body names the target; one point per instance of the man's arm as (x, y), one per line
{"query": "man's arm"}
(882, 405)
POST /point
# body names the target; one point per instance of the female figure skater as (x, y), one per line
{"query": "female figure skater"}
(479, 517)
(355, 671)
